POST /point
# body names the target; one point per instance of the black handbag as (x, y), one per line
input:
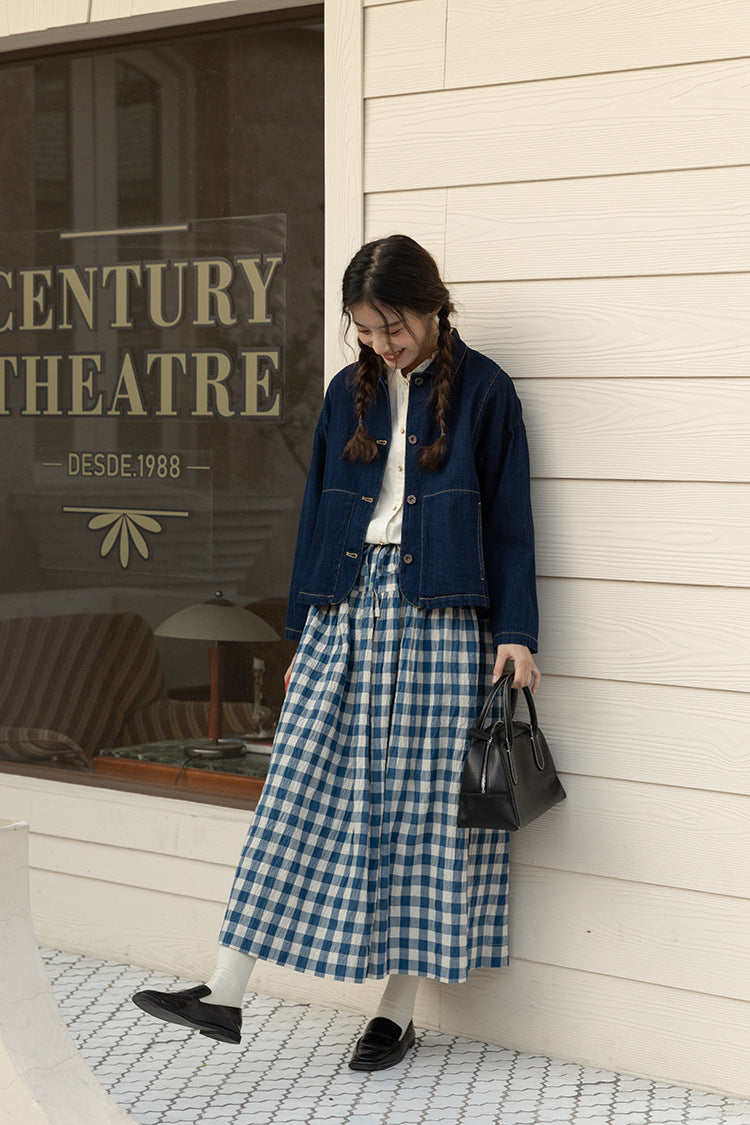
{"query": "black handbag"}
(509, 778)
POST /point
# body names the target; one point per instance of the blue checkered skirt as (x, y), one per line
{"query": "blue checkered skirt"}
(354, 866)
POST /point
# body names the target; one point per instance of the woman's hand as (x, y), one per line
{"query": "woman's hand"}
(527, 673)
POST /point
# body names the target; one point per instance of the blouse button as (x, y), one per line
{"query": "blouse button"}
(408, 559)
(411, 499)
(413, 439)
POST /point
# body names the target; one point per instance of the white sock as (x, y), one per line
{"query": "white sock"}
(229, 979)
(397, 1002)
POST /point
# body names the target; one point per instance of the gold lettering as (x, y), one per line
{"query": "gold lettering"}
(213, 276)
(34, 384)
(122, 291)
(7, 276)
(34, 297)
(83, 368)
(7, 362)
(167, 364)
(128, 390)
(257, 366)
(259, 284)
(73, 285)
(155, 283)
(212, 369)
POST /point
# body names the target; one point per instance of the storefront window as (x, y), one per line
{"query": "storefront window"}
(160, 375)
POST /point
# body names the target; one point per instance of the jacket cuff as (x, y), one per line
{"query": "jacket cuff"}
(509, 638)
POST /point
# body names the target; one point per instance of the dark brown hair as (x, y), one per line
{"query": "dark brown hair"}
(395, 275)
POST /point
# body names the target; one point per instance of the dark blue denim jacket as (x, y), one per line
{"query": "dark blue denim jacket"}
(467, 535)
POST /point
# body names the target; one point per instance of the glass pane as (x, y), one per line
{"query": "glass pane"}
(160, 373)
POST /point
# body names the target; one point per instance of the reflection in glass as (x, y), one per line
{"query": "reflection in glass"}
(183, 132)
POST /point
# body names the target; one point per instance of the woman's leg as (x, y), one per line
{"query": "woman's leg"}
(214, 1008)
(390, 1034)
(397, 1001)
(229, 979)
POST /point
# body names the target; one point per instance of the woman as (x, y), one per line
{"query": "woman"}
(413, 584)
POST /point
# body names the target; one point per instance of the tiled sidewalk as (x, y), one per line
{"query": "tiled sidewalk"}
(291, 1069)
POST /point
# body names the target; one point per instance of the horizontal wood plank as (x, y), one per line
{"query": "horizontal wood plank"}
(657, 935)
(488, 42)
(687, 636)
(665, 327)
(678, 222)
(404, 47)
(133, 867)
(601, 125)
(647, 531)
(671, 1034)
(422, 217)
(668, 836)
(639, 429)
(19, 18)
(689, 737)
(154, 824)
(176, 933)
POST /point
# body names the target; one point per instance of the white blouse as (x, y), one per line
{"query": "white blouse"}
(385, 525)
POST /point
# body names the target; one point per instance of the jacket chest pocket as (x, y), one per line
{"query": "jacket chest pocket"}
(452, 518)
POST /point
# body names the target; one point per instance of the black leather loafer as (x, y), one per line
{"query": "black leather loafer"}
(217, 1021)
(382, 1045)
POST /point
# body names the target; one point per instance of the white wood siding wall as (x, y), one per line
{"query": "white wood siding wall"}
(581, 173)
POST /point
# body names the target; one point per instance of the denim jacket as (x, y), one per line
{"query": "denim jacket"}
(467, 535)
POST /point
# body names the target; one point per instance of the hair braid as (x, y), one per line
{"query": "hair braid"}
(433, 456)
(361, 445)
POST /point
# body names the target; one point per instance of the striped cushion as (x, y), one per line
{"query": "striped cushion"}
(76, 678)
(171, 718)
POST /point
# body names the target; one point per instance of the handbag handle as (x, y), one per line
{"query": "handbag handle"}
(508, 702)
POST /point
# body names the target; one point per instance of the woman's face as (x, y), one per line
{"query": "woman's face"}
(402, 339)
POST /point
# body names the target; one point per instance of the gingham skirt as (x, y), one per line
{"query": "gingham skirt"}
(354, 866)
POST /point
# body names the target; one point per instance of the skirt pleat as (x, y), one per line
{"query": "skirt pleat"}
(354, 866)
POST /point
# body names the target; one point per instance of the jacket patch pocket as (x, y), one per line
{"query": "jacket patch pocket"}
(328, 543)
(453, 516)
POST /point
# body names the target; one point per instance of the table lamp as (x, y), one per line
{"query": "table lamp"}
(216, 620)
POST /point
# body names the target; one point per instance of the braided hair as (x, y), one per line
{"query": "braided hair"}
(395, 275)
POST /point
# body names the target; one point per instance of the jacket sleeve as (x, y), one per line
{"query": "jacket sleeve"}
(297, 611)
(508, 531)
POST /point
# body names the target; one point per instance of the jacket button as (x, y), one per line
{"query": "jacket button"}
(413, 439)
(418, 381)
(408, 559)
(411, 499)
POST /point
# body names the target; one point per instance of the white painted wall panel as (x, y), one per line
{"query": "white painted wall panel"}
(694, 738)
(420, 214)
(17, 17)
(647, 120)
(638, 429)
(405, 47)
(676, 222)
(676, 531)
(621, 226)
(680, 1036)
(491, 41)
(657, 935)
(655, 834)
(676, 327)
(687, 636)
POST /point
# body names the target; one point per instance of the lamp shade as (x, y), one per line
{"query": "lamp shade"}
(218, 619)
